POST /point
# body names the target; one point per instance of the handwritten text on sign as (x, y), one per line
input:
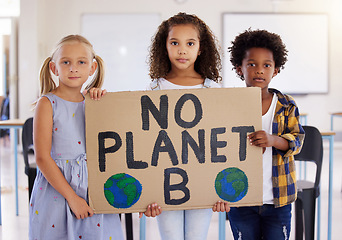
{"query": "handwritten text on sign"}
(174, 147)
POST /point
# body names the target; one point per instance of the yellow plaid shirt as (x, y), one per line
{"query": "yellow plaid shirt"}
(286, 125)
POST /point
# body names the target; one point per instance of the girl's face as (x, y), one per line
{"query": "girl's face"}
(258, 68)
(183, 46)
(73, 64)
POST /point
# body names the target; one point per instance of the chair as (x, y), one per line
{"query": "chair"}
(31, 169)
(312, 151)
(4, 115)
(27, 142)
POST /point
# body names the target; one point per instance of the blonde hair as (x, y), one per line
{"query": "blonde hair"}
(46, 81)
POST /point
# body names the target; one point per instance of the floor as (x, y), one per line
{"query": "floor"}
(16, 227)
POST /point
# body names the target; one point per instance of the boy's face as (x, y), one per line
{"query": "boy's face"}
(258, 67)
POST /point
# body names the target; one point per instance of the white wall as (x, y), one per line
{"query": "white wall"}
(44, 22)
(28, 58)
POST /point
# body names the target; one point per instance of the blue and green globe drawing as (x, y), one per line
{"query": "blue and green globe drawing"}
(122, 190)
(231, 184)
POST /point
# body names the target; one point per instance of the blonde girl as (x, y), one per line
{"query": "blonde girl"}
(59, 204)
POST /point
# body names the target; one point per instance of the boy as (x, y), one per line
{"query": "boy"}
(258, 56)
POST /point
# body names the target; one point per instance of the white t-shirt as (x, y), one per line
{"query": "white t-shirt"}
(165, 84)
(267, 121)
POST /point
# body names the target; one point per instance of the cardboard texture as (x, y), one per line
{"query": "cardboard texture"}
(174, 143)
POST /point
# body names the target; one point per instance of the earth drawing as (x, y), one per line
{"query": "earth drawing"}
(122, 190)
(231, 184)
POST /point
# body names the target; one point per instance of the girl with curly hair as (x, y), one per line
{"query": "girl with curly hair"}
(184, 55)
(186, 63)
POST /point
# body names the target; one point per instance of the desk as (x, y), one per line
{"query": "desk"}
(13, 124)
(331, 140)
(303, 118)
(329, 136)
(333, 115)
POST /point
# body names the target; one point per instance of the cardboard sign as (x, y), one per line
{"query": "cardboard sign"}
(184, 149)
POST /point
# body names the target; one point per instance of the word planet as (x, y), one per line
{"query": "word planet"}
(231, 184)
(122, 190)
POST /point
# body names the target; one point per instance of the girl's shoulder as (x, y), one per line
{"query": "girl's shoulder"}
(49, 96)
(154, 84)
(160, 83)
(43, 106)
(49, 100)
(209, 83)
(46, 98)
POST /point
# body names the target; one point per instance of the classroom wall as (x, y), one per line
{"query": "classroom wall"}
(43, 22)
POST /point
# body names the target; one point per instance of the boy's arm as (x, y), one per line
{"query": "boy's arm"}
(286, 144)
(294, 133)
(263, 139)
(280, 143)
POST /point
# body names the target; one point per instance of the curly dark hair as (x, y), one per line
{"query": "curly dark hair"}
(207, 64)
(257, 39)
